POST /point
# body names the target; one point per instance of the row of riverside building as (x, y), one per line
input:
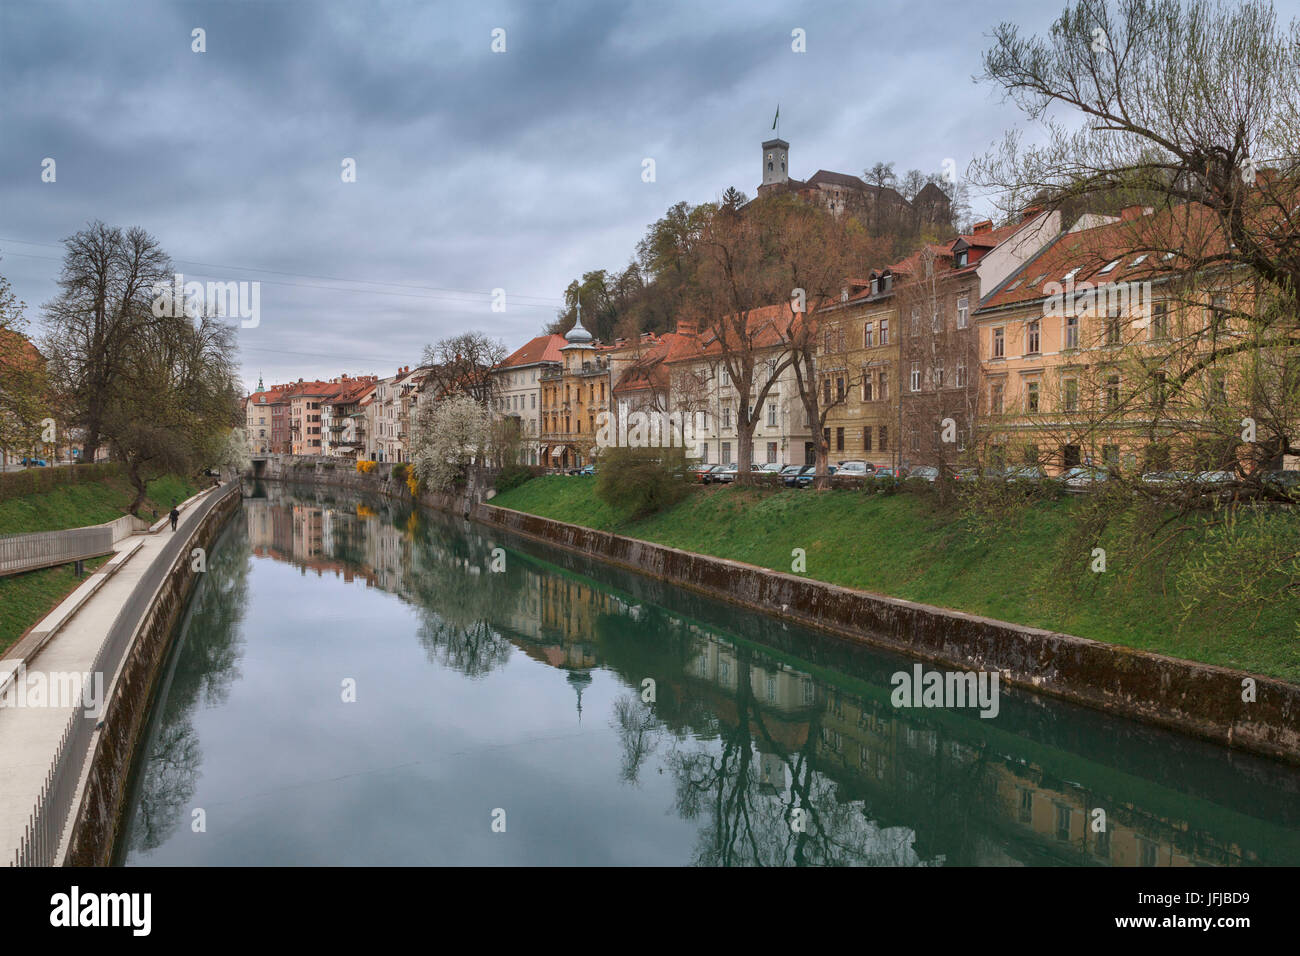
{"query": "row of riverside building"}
(1050, 340)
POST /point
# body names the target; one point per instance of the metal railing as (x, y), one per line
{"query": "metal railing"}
(39, 845)
(41, 549)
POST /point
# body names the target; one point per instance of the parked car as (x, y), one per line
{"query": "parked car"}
(35, 462)
(724, 474)
(769, 468)
(791, 479)
(889, 471)
(587, 471)
(1167, 478)
(925, 473)
(1084, 477)
(698, 471)
(1281, 484)
(808, 474)
(1024, 473)
(855, 467)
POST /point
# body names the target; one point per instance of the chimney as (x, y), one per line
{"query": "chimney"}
(985, 226)
(687, 327)
(1030, 212)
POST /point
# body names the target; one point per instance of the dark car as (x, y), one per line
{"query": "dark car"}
(889, 471)
(791, 478)
(808, 474)
(698, 471)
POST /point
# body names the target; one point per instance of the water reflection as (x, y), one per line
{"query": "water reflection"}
(764, 744)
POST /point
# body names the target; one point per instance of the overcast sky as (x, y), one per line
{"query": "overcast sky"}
(475, 170)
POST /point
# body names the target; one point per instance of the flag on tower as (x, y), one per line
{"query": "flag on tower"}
(777, 116)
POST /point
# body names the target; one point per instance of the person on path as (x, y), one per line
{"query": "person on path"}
(175, 516)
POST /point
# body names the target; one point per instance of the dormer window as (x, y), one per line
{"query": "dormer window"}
(961, 258)
(1108, 266)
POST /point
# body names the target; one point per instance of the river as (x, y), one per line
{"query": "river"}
(358, 683)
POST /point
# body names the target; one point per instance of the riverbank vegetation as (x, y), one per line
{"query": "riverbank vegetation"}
(75, 505)
(1032, 568)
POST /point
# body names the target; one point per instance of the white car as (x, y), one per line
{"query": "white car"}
(1084, 477)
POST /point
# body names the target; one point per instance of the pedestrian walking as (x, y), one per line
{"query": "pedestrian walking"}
(175, 516)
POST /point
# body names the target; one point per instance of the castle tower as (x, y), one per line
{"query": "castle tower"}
(776, 160)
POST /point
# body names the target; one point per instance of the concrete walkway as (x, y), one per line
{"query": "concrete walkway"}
(29, 736)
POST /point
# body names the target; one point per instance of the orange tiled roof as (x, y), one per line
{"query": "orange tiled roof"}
(544, 348)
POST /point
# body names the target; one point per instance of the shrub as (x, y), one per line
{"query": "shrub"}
(413, 484)
(641, 481)
(400, 471)
(881, 485)
(917, 486)
(512, 476)
(365, 467)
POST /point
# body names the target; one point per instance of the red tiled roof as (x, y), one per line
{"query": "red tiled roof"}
(544, 348)
(1134, 249)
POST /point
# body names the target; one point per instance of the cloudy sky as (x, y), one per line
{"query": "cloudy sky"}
(475, 170)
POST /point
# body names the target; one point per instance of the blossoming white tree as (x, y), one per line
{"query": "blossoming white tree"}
(449, 437)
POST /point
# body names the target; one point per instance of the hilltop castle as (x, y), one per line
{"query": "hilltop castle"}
(877, 206)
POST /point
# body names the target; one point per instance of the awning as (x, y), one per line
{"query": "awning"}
(557, 451)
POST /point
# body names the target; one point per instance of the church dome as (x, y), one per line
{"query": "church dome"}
(577, 335)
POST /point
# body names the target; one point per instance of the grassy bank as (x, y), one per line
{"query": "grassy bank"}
(26, 598)
(91, 502)
(907, 546)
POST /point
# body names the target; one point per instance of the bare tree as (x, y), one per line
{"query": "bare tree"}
(102, 307)
(463, 364)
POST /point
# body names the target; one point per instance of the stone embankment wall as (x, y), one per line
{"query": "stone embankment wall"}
(98, 816)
